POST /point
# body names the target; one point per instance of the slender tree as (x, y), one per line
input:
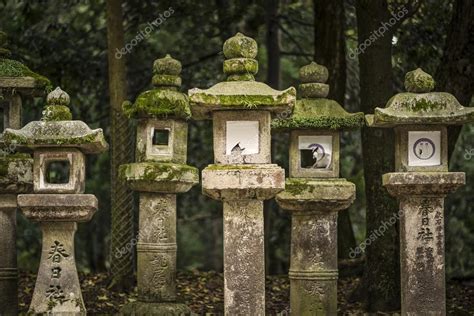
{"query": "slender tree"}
(455, 73)
(329, 50)
(382, 273)
(121, 260)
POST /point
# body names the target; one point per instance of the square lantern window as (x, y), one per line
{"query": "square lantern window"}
(242, 137)
(59, 171)
(421, 148)
(162, 140)
(314, 154)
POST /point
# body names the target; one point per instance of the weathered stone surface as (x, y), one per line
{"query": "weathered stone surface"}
(296, 171)
(175, 151)
(421, 196)
(16, 173)
(147, 308)
(420, 108)
(313, 72)
(76, 160)
(164, 101)
(57, 288)
(159, 177)
(240, 95)
(156, 249)
(58, 207)
(418, 81)
(240, 46)
(313, 90)
(236, 182)
(313, 273)
(423, 183)
(244, 258)
(220, 119)
(8, 265)
(422, 255)
(54, 132)
(316, 195)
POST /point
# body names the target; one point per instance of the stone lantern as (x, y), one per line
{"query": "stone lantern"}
(159, 174)
(243, 175)
(314, 192)
(421, 182)
(58, 203)
(16, 82)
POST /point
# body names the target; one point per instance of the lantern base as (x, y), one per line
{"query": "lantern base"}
(149, 308)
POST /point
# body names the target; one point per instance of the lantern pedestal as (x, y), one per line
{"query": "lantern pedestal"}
(421, 196)
(242, 188)
(156, 248)
(313, 205)
(57, 288)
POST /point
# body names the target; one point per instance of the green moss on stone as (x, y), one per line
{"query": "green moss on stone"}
(296, 186)
(13, 68)
(159, 103)
(154, 171)
(229, 167)
(56, 113)
(320, 114)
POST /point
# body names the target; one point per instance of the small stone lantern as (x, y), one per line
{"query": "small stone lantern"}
(58, 202)
(16, 82)
(243, 175)
(314, 192)
(159, 174)
(421, 182)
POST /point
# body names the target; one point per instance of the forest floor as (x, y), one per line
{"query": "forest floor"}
(203, 292)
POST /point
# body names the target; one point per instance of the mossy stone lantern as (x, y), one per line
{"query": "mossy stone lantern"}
(242, 176)
(16, 82)
(314, 192)
(159, 174)
(421, 182)
(58, 202)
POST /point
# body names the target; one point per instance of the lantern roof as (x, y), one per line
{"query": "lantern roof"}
(419, 105)
(164, 101)
(313, 110)
(240, 91)
(57, 129)
(15, 75)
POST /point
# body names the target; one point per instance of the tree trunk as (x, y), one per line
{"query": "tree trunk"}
(455, 73)
(329, 50)
(122, 233)
(273, 43)
(382, 273)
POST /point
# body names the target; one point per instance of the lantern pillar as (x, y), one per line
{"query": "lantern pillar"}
(57, 202)
(314, 192)
(159, 174)
(243, 175)
(421, 182)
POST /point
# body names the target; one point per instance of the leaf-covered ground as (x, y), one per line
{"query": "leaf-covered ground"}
(203, 292)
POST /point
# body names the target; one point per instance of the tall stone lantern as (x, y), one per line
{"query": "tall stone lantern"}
(58, 203)
(16, 83)
(159, 174)
(421, 182)
(243, 175)
(314, 192)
